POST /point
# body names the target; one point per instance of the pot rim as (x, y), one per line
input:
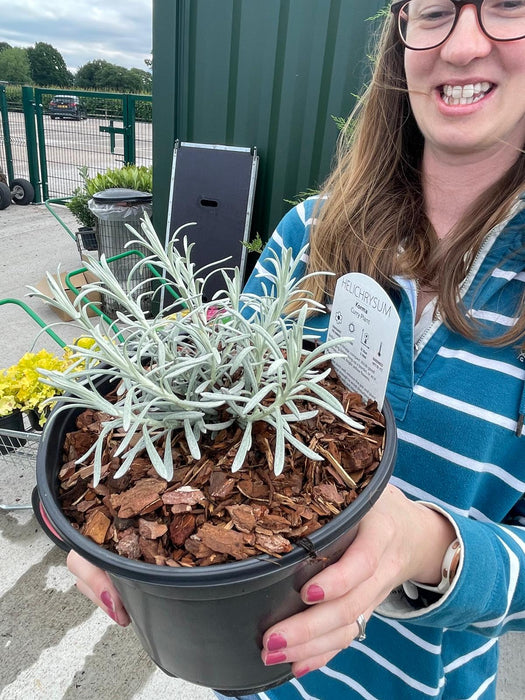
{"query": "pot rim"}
(217, 574)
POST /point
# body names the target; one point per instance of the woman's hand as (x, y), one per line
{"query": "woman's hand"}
(397, 540)
(96, 585)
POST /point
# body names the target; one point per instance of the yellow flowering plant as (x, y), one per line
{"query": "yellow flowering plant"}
(20, 385)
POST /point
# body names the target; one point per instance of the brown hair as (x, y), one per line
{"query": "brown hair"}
(373, 206)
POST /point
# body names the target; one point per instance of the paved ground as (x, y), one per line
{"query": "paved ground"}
(53, 644)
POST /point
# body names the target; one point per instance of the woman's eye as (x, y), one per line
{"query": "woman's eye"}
(432, 12)
(505, 6)
(437, 15)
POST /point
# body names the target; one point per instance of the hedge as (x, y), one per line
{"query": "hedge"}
(96, 106)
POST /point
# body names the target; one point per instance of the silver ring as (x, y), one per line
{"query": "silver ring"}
(361, 623)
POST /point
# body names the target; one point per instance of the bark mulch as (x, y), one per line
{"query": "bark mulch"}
(207, 515)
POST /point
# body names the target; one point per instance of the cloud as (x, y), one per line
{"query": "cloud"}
(118, 31)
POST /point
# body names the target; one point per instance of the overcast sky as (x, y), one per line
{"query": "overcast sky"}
(118, 31)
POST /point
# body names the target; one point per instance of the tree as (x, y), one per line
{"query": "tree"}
(4, 45)
(47, 66)
(14, 66)
(141, 80)
(86, 75)
(113, 77)
(102, 75)
(97, 74)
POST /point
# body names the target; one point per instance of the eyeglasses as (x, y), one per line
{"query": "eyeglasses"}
(425, 24)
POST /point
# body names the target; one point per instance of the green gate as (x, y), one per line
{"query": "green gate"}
(49, 151)
(117, 131)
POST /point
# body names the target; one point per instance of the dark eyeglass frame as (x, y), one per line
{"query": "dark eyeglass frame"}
(396, 8)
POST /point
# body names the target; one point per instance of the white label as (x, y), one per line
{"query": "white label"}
(363, 311)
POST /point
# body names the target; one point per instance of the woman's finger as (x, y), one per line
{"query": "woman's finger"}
(315, 622)
(277, 650)
(287, 642)
(301, 668)
(97, 586)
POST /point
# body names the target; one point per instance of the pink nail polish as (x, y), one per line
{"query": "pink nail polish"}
(275, 658)
(301, 672)
(314, 593)
(276, 642)
(106, 598)
(113, 616)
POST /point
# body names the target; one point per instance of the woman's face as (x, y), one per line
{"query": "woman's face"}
(468, 95)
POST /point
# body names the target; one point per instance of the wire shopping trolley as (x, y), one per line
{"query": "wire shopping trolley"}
(20, 432)
(18, 450)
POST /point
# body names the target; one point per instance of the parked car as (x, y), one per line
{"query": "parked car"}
(67, 106)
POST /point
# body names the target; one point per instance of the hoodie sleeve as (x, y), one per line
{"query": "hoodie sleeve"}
(293, 232)
(487, 595)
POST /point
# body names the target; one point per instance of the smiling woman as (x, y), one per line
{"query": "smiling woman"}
(468, 92)
(427, 198)
(425, 24)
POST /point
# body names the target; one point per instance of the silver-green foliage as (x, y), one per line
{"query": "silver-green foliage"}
(237, 359)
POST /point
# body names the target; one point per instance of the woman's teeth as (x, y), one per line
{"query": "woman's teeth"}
(464, 94)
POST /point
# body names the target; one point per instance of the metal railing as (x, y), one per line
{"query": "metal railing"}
(49, 151)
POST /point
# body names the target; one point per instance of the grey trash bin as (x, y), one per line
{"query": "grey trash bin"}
(114, 208)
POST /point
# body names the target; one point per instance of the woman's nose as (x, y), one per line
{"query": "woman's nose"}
(467, 41)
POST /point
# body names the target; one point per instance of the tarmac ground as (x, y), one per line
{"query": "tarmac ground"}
(54, 644)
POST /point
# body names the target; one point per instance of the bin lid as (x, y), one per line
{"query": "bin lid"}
(121, 195)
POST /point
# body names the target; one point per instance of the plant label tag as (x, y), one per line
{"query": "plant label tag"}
(363, 311)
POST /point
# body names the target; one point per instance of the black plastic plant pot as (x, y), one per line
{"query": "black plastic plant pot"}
(205, 624)
(12, 421)
(88, 237)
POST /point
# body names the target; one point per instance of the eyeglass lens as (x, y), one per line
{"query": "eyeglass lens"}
(424, 24)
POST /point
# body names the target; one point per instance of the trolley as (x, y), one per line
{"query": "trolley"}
(18, 455)
(85, 237)
(18, 447)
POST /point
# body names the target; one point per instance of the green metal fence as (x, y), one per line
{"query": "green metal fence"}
(13, 151)
(110, 137)
(49, 151)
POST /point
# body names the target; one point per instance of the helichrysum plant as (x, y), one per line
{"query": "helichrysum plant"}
(200, 366)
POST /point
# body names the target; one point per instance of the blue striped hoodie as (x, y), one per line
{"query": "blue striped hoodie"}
(459, 407)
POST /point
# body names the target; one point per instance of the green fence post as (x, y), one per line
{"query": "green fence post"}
(28, 102)
(112, 136)
(7, 136)
(128, 117)
(41, 140)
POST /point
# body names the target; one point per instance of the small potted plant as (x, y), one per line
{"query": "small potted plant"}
(134, 177)
(208, 462)
(11, 417)
(21, 390)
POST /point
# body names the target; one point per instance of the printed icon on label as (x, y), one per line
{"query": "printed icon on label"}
(339, 317)
(365, 338)
(351, 327)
